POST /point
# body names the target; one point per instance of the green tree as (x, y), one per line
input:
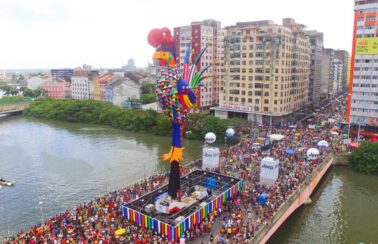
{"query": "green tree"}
(365, 158)
(147, 98)
(148, 89)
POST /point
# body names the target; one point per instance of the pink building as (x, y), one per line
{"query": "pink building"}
(58, 89)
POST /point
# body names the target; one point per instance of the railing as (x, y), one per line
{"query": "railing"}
(285, 206)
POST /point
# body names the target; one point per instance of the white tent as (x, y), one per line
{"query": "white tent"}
(276, 137)
(312, 153)
(323, 143)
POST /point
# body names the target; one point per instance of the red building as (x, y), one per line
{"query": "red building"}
(58, 89)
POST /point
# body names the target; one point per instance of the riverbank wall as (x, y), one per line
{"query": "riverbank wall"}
(297, 199)
(342, 159)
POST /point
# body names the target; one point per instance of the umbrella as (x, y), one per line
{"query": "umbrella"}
(374, 139)
(290, 151)
(276, 137)
(334, 133)
(354, 145)
(323, 144)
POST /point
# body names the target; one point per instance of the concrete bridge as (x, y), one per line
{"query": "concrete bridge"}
(14, 108)
(297, 199)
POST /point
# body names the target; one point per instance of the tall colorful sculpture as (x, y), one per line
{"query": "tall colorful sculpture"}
(175, 92)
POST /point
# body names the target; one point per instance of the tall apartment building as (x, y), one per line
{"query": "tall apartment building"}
(316, 39)
(362, 105)
(199, 35)
(267, 71)
(343, 56)
(333, 74)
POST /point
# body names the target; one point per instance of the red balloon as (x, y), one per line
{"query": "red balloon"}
(166, 35)
(155, 37)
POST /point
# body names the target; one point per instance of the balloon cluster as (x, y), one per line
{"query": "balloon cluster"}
(168, 95)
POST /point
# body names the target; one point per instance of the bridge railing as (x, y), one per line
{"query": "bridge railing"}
(287, 204)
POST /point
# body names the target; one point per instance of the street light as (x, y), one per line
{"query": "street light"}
(40, 205)
(188, 133)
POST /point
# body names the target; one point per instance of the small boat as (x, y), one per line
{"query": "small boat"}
(6, 183)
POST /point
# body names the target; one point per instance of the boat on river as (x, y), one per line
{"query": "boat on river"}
(6, 183)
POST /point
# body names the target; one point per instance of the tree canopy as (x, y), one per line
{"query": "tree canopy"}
(97, 112)
(365, 158)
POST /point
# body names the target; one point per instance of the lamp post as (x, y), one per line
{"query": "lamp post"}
(188, 133)
(41, 208)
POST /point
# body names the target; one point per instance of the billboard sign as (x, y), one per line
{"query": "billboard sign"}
(367, 45)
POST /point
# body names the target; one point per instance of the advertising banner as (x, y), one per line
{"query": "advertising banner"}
(269, 170)
(367, 45)
(210, 157)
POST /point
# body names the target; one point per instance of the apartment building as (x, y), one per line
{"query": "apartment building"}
(362, 108)
(201, 34)
(316, 39)
(267, 71)
(81, 88)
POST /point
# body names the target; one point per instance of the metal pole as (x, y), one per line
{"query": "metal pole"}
(348, 130)
(187, 146)
(358, 133)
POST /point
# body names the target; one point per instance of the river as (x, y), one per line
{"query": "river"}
(62, 164)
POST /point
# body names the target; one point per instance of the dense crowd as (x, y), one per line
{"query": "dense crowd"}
(238, 220)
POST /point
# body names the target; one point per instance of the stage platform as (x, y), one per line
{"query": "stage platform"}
(220, 188)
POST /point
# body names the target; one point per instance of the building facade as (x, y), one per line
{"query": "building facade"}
(333, 74)
(122, 89)
(267, 71)
(362, 105)
(57, 88)
(316, 39)
(344, 58)
(199, 35)
(35, 82)
(81, 88)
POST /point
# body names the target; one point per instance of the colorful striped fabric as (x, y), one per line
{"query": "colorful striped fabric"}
(174, 232)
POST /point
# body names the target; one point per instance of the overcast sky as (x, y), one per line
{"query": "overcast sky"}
(106, 33)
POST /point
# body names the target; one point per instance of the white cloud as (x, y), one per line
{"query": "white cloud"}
(52, 33)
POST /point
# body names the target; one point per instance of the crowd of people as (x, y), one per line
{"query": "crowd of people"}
(238, 220)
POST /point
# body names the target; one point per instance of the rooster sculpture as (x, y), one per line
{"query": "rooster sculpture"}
(175, 94)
